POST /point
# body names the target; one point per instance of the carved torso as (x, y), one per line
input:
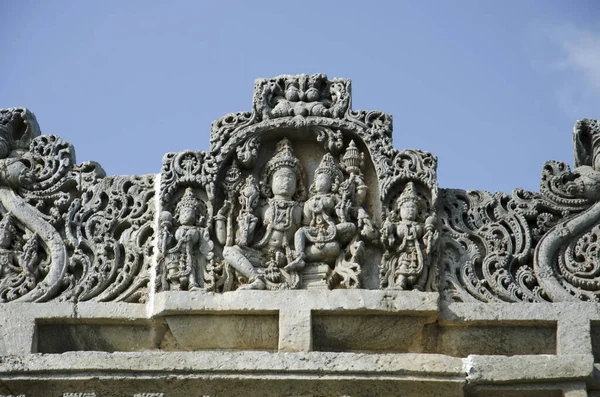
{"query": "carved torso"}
(281, 219)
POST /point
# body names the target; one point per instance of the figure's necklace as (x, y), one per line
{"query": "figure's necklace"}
(282, 213)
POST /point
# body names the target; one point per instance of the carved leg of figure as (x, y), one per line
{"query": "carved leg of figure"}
(239, 262)
(412, 280)
(403, 279)
(345, 232)
(402, 282)
(193, 282)
(299, 247)
(420, 285)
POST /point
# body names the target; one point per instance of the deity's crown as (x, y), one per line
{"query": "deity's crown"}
(188, 200)
(329, 167)
(409, 194)
(283, 157)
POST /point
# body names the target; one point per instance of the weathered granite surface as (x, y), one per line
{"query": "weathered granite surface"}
(302, 255)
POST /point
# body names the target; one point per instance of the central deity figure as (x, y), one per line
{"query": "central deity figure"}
(282, 185)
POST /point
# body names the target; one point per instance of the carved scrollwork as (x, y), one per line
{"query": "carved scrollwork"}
(566, 257)
(225, 127)
(111, 233)
(487, 245)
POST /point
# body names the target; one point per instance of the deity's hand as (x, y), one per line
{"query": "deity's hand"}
(225, 210)
(252, 221)
(387, 236)
(429, 238)
(341, 210)
(367, 230)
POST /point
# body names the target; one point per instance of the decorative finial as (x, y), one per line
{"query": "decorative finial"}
(353, 159)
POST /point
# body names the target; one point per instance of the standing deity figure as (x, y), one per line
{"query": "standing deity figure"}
(187, 260)
(325, 227)
(408, 243)
(282, 185)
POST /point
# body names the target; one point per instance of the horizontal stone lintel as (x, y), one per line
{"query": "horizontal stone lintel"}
(351, 301)
(210, 363)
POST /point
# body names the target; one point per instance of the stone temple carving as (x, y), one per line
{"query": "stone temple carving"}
(302, 254)
(409, 243)
(302, 192)
(527, 246)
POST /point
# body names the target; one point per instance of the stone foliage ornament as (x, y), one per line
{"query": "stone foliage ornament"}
(301, 192)
(68, 231)
(527, 246)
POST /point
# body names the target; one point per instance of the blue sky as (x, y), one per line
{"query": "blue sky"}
(493, 88)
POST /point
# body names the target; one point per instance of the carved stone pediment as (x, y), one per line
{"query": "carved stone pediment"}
(291, 195)
(300, 192)
(302, 254)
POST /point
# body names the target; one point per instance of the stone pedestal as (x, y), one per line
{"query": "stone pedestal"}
(315, 276)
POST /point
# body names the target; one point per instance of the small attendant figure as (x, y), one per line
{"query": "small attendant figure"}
(189, 256)
(405, 263)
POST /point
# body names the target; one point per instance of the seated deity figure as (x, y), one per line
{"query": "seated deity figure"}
(189, 256)
(325, 228)
(407, 242)
(282, 185)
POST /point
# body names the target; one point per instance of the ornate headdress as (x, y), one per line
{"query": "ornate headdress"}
(329, 167)
(283, 157)
(408, 194)
(188, 200)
